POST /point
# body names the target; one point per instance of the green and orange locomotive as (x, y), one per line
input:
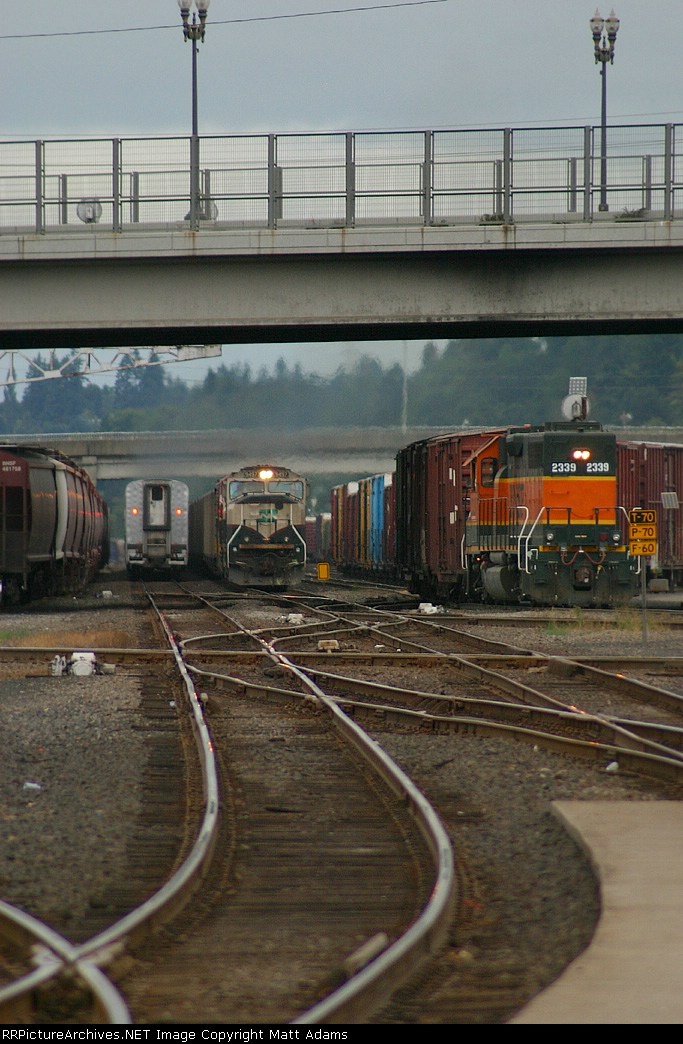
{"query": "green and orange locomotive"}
(544, 524)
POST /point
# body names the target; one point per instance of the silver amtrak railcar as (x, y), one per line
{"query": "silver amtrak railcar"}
(157, 518)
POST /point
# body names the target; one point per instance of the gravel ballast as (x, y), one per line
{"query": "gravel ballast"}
(72, 773)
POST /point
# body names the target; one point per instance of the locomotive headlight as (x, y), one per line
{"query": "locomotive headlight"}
(550, 536)
(581, 454)
(265, 473)
(616, 537)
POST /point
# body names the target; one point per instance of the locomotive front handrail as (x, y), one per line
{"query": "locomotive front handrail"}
(523, 559)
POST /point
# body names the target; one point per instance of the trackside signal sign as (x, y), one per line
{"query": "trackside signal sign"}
(642, 532)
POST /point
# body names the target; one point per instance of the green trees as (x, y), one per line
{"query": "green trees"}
(636, 379)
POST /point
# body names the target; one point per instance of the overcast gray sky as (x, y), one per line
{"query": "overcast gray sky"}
(121, 67)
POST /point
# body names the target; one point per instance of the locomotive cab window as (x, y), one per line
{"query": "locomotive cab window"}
(295, 489)
(489, 469)
(238, 489)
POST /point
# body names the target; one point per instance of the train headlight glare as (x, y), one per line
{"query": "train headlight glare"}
(581, 454)
(265, 473)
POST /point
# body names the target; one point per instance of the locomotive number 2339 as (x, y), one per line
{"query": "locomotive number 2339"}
(570, 467)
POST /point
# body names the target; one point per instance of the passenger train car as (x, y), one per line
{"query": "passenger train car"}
(528, 514)
(54, 525)
(157, 523)
(250, 529)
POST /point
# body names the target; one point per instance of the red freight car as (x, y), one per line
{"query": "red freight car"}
(389, 528)
(650, 475)
(433, 480)
(318, 537)
(344, 521)
(54, 525)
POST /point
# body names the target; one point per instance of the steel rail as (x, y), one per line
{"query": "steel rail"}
(177, 891)
(54, 957)
(374, 983)
(578, 717)
(646, 755)
(524, 693)
(87, 957)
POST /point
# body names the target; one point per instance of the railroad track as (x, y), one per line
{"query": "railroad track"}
(478, 683)
(323, 822)
(59, 973)
(291, 848)
(243, 652)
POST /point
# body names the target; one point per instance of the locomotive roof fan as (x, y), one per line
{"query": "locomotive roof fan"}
(575, 405)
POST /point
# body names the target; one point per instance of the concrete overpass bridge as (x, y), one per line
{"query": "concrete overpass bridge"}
(340, 236)
(211, 454)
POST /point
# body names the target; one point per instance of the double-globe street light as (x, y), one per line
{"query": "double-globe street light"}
(604, 31)
(194, 31)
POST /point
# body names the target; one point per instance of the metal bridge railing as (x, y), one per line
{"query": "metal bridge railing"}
(341, 179)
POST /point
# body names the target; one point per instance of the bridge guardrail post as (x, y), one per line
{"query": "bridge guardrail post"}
(427, 179)
(63, 182)
(668, 171)
(117, 223)
(507, 176)
(587, 175)
(572, 185)
(40, 186)
(350, 165)
(274, 184)
(647, 184)
(134, 197)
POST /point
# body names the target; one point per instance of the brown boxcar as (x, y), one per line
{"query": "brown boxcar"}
(433, 480)
(650, 476)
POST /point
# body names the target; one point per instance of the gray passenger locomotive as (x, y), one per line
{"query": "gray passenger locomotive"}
(250, 528)
(156, 526)
(54, 525)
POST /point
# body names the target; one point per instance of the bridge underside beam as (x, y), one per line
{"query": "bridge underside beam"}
(131, 301)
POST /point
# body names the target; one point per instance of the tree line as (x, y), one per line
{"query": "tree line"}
(632, 379)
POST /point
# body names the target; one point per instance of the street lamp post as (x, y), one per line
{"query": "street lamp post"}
(194, 31)
(604, 31)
